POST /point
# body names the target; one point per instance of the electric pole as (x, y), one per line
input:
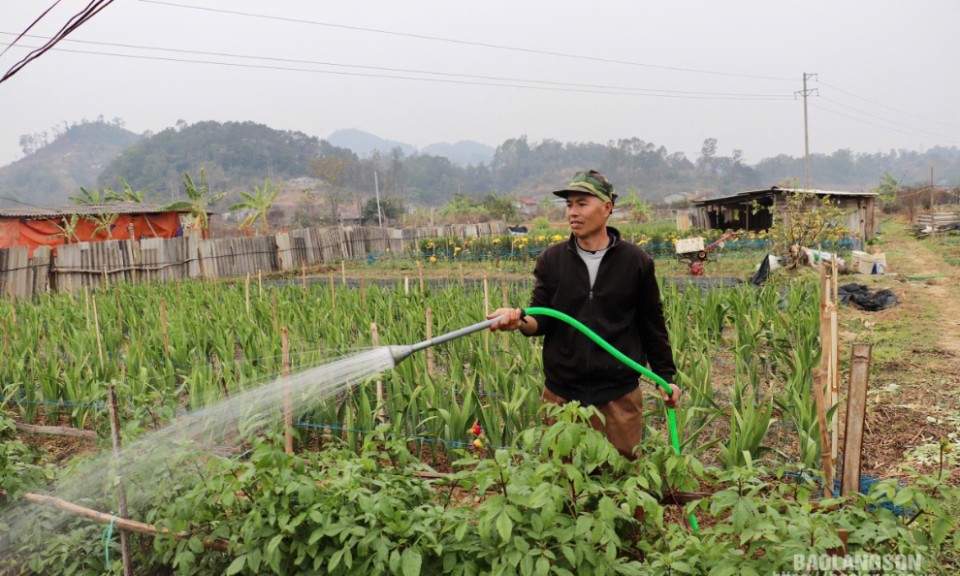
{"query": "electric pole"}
(806, 130)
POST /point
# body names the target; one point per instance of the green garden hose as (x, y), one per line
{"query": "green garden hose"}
(597, 339)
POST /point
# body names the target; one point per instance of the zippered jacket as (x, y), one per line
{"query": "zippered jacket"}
(623, 307)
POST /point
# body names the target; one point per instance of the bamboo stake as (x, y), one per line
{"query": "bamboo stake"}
(287, 400)
(420, 274)
(163, 327)
(406, 285)
(276, 312)
(486, 312)
(363, 293)
(104, 278)
(343, 272)
(818, 382)
(57, 431)
(119, 308)
(96, 325)
(381, 402)
(333, 293)
(430, 360)
(86, 305)
(246, 294)
(260, 281)
(122, 523)
(462, 282)
(121, 491)
(303, 278)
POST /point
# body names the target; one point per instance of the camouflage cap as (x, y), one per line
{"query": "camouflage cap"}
(590, 182)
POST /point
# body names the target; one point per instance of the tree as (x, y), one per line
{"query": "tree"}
(390, 209)
(200, 201)
(104, 219)
(259, 203)
(804, 220)
(640, 210)
(331, 170)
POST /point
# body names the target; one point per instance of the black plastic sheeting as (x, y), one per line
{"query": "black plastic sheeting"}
(762, 273)
(863, 298)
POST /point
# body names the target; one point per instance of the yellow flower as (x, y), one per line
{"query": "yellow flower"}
(457, 249)
(541, 238)
(433, 259)
(496, 240)
(556, 237)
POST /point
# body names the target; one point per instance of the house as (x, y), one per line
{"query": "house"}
(35, 226)
(737, 212)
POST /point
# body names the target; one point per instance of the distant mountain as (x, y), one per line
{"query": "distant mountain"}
(56, 171)
(364, 143)
(462, 153)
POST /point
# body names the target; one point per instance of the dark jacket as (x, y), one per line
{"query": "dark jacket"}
(624, 308)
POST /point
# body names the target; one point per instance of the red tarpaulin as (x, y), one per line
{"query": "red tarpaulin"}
(34, 233)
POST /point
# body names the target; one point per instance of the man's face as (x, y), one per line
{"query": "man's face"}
(586, 214)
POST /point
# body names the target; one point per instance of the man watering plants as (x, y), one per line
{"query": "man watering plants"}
(609, 285)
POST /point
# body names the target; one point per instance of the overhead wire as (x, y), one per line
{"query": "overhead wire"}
(75, 22)
(881, 118)
(851, 94)
(466, 42)
(784, 96)
(28, 28)
(589, 89)
(909, 133)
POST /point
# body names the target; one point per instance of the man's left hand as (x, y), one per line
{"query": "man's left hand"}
(670, 401)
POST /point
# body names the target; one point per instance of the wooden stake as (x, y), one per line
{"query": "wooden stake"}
(333, 293)
(343, 272)
(486, 312)
(163, 327)
(287, 399)
(121, 491)
(96, 326)
(260, 281)
(122, 523)
(104, 278)
(363, 293)
(430, 360)
(420, 274)
(246, 294)
(462, 282)
(818, 383)
(381, 399)
(406, 285)
(57, 431)
(856, 418)
(303, 278)
(276, 312)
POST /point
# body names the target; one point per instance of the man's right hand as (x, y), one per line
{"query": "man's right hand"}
(509, 319)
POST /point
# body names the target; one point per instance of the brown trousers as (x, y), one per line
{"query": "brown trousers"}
(624, 419)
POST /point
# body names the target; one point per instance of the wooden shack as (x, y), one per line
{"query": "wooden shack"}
(754, 210)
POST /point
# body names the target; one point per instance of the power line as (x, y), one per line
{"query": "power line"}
(76, 21)
(874, 123)
(651, 91)
(32, 24)
(586, 89)
(838, 89)
(921, 130)
(467, 42)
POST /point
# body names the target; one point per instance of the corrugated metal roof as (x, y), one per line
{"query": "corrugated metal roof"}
(749, 193)
(84, 210)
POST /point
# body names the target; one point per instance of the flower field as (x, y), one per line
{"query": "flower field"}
(361, 493)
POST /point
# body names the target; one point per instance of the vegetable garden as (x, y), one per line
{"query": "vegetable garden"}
(454, 467)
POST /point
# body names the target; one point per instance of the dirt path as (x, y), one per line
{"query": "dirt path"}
(915, 375)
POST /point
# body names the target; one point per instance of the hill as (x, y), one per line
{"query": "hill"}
(365, 143)
(57, 170)
(462, 153)
(234, 155)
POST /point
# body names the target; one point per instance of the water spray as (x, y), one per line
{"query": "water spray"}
(400, 353)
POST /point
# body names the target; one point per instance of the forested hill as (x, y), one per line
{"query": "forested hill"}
(58, 164)
(234, 155)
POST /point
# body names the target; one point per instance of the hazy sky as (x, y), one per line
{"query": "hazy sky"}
(419, 71)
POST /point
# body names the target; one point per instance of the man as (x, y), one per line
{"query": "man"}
(609, 285)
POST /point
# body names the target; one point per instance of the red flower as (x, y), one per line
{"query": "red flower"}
(477, 430)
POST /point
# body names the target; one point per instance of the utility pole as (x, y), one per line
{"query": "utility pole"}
(376, 186)
(806, 130)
